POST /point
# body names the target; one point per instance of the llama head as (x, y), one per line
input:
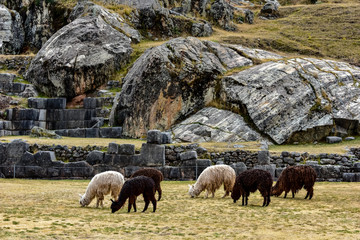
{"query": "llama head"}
(192, 191)
(115, 205)
(275, 191)
(83, 201)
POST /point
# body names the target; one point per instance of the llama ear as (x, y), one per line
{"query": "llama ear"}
(80, 195)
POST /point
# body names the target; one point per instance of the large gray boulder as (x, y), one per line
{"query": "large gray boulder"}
(297, 99)
(87, 8)
(168, 83)
(12, 33)
(79, 58)
(222, 14)
(214, 125)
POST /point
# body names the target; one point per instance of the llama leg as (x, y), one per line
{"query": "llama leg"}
(293, 194)
(243, 198)
(132, 200)
(307, 194)
(153, 201)
(207, 193)
(212, 194)
(159, 191)
(247, 198)
(311, 193)
(268, 200)
(286, 192)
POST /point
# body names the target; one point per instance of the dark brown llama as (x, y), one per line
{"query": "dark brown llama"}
(133, 188)
(293, 178)
(250, 181)
(155, 174)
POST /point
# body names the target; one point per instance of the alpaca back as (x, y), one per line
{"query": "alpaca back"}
(214, 176)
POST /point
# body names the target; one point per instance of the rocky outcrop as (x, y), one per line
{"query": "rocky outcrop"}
(39, 20)
(214, 125)
(222, 14)
(79, 58)
(87, 8)
(11, 31)
(270, 10)
(165, 84)
(298, 99)
(170, 82)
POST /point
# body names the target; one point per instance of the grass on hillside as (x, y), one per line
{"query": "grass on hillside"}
(50, 209)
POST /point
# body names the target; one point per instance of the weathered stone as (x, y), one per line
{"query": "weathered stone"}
(12, 35)
(326, 161)
(95, 157)
(222, 13)
(152, 155)
(113, 148)
(44, 158)
(212, 125)
(92, 132)
(333, 139)
(190, 155)
(169, 73)
(296, 111)
(351, 177)
(87, 8)
(263, 158)
(201, 29)
(127, 149)
(154, 136)
(78, 133)
(130, 170)
(73, 60)
(39, 132)
(16, 149)
(349, 138)
(166, 138)
(270, 168)
(278, 172)
(128, 160)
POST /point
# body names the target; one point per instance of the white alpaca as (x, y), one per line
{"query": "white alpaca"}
(212, 178)
(100, 185)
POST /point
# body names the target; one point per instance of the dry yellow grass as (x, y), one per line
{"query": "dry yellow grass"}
(45, 209)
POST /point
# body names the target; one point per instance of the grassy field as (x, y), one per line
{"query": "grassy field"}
(45, 209)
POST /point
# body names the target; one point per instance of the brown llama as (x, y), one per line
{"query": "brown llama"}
(293, 178)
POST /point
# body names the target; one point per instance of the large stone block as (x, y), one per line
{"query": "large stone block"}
(166, 138)
(113, 148)
(75, 124)
(127, 160)
(18, 87)
(278, 172)
(89, 103)
(154, 136)
(263, 158)
(92, 132)
(3, 152)
(28, 114)
(17, 148)
(37, 103)
(74, 114)
(111, 132)
(95, 157)
(357, 167)
(152, 155)
(56, 103)
(78, 132)
(44, 158)
(127, 149)
(333, 139)
(351, 177)
(270, 168)
(130, 170)
(188, 155)
(53, 115)
(77, 170)
(239, 167)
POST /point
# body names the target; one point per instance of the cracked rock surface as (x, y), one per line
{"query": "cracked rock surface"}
(214, 125)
